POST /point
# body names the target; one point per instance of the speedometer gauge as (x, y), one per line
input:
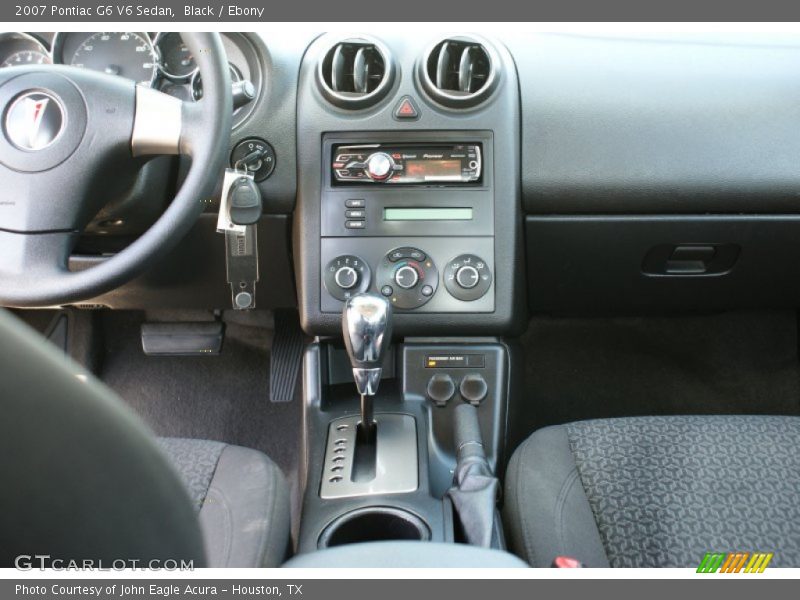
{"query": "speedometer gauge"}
(129, 55)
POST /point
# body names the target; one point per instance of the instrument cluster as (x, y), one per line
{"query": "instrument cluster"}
(159, 60)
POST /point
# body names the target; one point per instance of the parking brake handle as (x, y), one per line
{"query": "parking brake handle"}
(475, 490)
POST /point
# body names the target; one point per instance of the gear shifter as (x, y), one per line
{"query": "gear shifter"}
(367, 329)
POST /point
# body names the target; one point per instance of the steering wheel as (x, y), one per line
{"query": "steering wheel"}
(66, 132)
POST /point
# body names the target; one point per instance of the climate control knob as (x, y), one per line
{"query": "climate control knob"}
(346, 277)
(379, 166)
(406, 277)
(468, 277)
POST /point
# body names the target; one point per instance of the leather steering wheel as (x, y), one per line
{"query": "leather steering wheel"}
(65, 132)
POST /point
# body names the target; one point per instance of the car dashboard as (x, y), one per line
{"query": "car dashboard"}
(474, 178)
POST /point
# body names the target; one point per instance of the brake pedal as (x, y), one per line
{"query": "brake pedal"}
(182, 339)
(287, 356)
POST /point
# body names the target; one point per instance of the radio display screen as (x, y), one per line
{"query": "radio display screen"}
(427, 214)
(423, 169)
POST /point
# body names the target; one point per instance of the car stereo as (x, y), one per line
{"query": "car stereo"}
(407, 163)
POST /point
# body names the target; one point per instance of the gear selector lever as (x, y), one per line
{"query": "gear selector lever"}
(367, 329)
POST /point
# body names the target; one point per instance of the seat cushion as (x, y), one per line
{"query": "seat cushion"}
(242, 499)
(657, 491)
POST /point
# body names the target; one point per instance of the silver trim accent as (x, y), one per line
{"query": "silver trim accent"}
(396, 464)
(157, 123)
(366, 324)
(367, 380)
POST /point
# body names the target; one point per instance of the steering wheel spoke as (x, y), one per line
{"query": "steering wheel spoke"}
(158, 123)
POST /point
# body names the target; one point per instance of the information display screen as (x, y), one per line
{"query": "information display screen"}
(427, 214)
(438, 169)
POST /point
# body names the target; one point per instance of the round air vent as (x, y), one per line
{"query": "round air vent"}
(356, 73)
(459, 72)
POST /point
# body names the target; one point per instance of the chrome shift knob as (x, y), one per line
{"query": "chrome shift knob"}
(367, 330)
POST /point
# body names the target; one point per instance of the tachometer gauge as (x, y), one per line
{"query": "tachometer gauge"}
(26, 57)
(19, 49)
(177, 62)
(129, 55)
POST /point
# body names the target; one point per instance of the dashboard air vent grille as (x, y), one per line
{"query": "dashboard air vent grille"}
(459, 72)
(355, 73)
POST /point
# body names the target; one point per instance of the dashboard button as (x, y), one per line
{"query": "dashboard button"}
(355, 203)
(427, 290)
(355, 214)
(387, 290)
(406, 109)
(354, 224)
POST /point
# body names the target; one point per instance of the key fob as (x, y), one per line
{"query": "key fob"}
(244, 201)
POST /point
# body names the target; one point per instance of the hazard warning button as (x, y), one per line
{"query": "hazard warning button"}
(406, 109)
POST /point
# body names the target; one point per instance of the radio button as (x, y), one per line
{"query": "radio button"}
(406, 277)
(355, 203)
(354, 224)
(379, 166)
(355, 214)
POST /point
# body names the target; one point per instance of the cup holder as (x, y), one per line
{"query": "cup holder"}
(374, 524)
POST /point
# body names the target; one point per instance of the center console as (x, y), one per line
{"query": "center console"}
(401, 215)
(408, 192)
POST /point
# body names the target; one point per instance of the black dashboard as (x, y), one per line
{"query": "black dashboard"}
(581, 172)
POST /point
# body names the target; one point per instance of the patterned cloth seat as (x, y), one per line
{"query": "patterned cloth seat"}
(656, 491)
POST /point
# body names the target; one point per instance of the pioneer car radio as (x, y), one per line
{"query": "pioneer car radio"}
(407, 163)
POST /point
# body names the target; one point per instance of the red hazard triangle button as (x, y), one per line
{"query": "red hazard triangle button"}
(406, 109)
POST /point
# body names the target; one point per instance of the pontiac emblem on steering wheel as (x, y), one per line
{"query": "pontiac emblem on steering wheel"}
(34, 121)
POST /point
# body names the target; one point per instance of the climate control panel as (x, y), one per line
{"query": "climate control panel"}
(409, 275)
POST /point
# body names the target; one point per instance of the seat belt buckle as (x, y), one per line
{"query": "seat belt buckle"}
(566, 562)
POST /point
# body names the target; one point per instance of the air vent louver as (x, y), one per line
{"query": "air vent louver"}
(356, 73)
(459, 72)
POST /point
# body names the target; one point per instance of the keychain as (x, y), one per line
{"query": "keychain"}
(240, 208)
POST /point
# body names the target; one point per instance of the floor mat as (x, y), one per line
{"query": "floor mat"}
(738, 362)
(223, 397)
